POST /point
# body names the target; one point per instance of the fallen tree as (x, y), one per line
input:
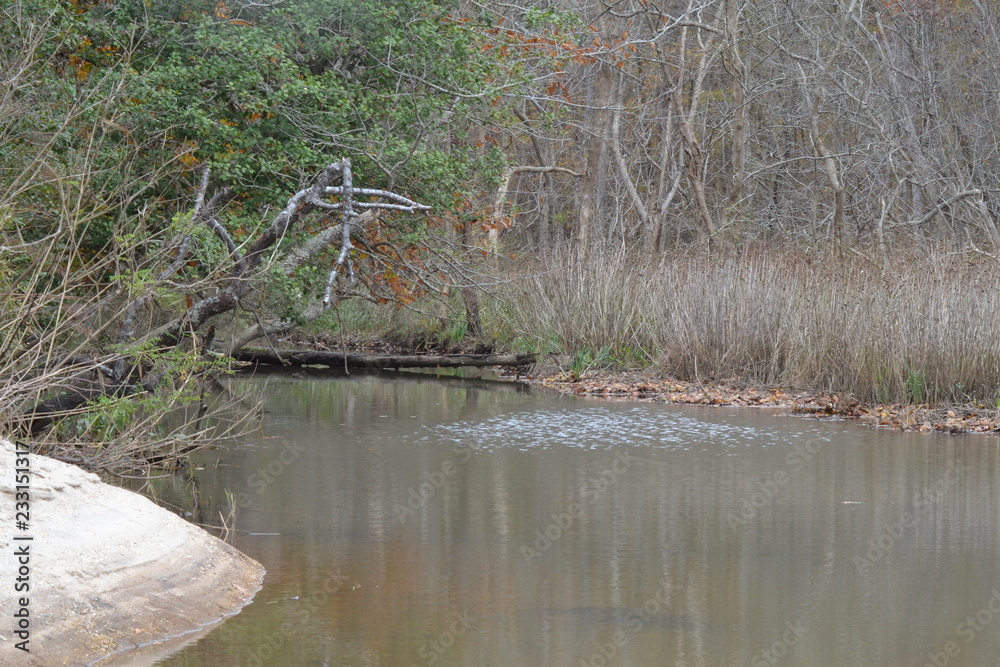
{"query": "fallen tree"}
(340, 359)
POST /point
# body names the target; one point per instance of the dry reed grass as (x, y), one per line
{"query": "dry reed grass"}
(917, 327)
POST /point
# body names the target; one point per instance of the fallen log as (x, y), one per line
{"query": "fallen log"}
(339, 359)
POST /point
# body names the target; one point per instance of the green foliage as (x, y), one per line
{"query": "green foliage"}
(916, 385)
(264, 93)
(285, 296)
(111, 419)
(455, 331)
(530, 344)
(630, 357)
(136, 96)
(537, 18)
(586, 359)
(883, 388)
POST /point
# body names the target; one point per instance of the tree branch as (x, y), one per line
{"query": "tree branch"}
(503, 189)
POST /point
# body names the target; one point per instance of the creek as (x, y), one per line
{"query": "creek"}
(414, 519)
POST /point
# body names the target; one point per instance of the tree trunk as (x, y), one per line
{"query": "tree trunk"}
(737, 147)
(694, 157)
(588, 228)
(473, 324)
(637, 204)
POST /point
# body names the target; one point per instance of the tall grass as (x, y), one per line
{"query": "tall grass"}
(923, 326)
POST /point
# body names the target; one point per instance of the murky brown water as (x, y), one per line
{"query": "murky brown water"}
(406, 520)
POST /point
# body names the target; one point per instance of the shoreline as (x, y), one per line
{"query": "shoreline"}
(650, 385)
(654, 387)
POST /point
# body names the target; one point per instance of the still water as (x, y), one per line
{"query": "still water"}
(406, 519)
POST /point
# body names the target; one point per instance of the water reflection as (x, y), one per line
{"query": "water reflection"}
(406, 520)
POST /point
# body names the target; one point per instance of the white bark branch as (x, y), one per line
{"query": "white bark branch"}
(351, 221)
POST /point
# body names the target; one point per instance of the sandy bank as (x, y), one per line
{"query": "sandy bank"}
(108, 570)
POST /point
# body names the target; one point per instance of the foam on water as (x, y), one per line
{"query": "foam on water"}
(606, 427)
